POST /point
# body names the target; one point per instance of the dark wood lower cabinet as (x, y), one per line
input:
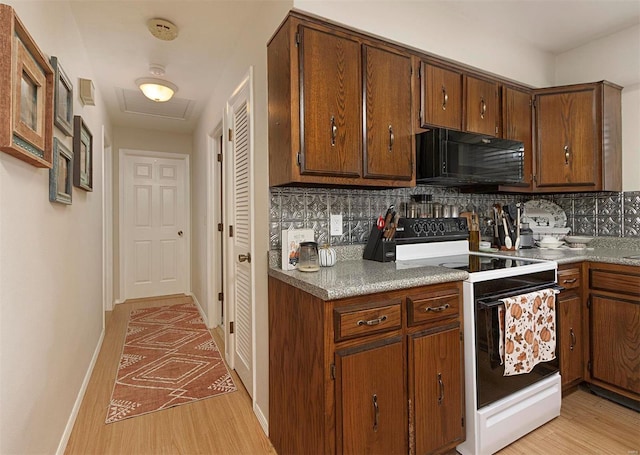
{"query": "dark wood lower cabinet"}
(614, 328)
(371, 411)
(373, 374)
(571, 336)
(436, 388)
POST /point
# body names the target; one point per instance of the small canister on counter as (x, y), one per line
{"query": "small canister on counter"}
(327, 256)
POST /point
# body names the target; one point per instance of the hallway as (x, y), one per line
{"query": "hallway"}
(219, 425)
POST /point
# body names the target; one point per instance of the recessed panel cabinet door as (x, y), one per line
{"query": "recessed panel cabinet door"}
(441, 97)
(570, 337)
(517, 116)
(330, 109)
(567, 139)
(388, 147)
(482, 108)
(371, 405)
(435, 370)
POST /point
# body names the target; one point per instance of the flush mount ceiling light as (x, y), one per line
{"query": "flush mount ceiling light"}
(156, 89)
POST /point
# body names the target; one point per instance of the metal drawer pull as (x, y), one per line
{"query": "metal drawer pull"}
(380, 320)
(566, 154)
(483, 108)
(334, 131)
(440, 389)
(570, 281)
(573, 339)
(376, 412)
(445, 98)
(392, 138)
(436, 309)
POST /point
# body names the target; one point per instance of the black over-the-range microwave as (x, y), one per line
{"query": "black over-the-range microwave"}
(448, 157)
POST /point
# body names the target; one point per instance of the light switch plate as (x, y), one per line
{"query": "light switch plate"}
(336, 224)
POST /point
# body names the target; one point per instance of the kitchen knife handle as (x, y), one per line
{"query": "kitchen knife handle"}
(334, 131)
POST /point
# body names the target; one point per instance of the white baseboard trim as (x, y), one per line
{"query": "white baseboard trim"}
(202, 314)
(118, 301)
(262, 420)
(62, 446)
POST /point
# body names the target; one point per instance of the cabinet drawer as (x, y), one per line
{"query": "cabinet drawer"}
(620, 282)
(569, 278)
(433, 306)
(361, 320)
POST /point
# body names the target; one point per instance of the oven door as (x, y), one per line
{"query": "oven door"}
(491, 383)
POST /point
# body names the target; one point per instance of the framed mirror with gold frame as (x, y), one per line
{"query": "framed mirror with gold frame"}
(26, 77)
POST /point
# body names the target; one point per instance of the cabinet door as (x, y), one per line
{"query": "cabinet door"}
(388, 146)
(330, 104)
(570, 337)
(437, 389)
(615, 337)
(371, 404)
(517, 116)
(481, 106)
(441, 97)
(567, 139)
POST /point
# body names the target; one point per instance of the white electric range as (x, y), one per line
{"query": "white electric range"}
(499, 409)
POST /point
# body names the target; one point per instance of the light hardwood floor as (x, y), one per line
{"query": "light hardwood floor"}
(220, 425)
(226, 424)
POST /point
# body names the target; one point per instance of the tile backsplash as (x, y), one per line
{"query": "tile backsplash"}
(594, 214)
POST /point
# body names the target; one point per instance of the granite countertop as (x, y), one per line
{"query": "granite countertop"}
(353, 276)
(359, 277)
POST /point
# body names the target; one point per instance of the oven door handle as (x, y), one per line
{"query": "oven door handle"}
(494, 300)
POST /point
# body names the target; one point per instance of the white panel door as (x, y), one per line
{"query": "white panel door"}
(241, 218)
(155, 227)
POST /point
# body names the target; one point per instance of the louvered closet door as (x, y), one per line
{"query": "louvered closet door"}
(242, 280)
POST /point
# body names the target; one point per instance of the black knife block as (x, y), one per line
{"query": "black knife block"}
(378, 248)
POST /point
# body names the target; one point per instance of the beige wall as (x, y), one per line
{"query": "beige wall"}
(50, 266)
(615, 58)
(249, 51)
(138, 139)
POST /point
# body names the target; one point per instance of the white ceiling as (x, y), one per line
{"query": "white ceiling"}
(121, 48)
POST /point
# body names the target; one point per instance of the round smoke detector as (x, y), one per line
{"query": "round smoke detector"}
(162, 29)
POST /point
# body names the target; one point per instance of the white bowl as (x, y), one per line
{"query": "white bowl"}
(550, 244)
(582, 240)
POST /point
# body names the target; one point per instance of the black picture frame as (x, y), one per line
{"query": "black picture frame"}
(83, 155)
(63, 99)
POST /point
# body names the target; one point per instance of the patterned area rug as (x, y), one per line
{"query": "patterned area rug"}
(169, 358)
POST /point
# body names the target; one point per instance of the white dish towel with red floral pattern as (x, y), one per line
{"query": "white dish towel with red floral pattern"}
(527, 330)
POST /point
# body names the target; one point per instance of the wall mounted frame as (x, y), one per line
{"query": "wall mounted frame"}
(60, 175)
(82, 155)
(26, 94)
(63, 99)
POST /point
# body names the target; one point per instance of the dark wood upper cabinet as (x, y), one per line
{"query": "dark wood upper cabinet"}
(339, 107)
(388, 134)
(440, 97)
(578, 138)
(330, 103)
(482, 109)
(517, 125)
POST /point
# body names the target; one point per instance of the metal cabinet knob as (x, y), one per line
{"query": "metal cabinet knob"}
(180, 233)
(245, 257)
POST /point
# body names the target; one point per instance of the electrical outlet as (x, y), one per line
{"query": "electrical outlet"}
(336, 224)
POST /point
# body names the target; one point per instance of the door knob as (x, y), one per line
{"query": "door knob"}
(245, 257)
(179, 233)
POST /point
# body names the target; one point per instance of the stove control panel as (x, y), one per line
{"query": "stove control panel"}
(419, 230)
